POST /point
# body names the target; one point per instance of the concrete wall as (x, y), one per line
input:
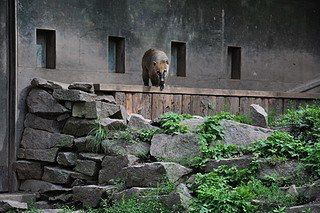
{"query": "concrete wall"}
(4, 130)
(279, 39)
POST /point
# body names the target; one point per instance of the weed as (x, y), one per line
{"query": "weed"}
(146, 135)
(171, 123)
(99, 134)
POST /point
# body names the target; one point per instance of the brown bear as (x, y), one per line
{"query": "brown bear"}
(155, 66)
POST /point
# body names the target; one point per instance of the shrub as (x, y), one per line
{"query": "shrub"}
(171, 123)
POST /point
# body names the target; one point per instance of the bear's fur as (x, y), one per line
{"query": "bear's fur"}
(155, 66)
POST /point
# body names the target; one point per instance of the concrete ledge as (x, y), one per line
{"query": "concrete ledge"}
(201, 91)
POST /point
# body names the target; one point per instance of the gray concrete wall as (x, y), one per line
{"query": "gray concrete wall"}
(4, 131)
(279, 39)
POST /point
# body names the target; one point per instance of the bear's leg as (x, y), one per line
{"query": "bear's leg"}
(145, 77)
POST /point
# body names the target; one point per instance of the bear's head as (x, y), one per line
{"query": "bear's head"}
(162, 70)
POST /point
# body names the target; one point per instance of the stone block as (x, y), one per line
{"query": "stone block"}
(47, 155)
(28, 169)
(35, 122)
(73, 95)
(67, 158)
(86, 167)
(83, 86)
(93, 110)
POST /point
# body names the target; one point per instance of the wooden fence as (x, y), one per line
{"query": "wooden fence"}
(150, 102)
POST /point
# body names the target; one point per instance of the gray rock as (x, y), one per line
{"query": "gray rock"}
(61, 198)
(83, 86)
(106, 98)
(38, 186)
(119, 147)
(47, 155)
(133, 192)
(73, 95)
(180, 148)
(28, 169)
(67, 158)
(35, 122)
(122, 114)
(91, 195)
(310, 192)
(191, 181)
(113, 124)
(151, 174)
(243, 134)
(56, 175)
(41, 102)
(63, 117)
(47, 84)
(78, 182)
(240, 162)
(39, 139)
(86, 167)
(178, 199)
(20, 197)
(258, 116)
(78, 127)
(312, 208)
(68, 105)
(86, 144)
(43, 205)
(193, 123)
(112, 168)
(136, 121)
(95, 109)
(6, 205)
(283, 169)
(92, 156)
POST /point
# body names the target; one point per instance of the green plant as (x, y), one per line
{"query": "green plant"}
(98, 133)
(304, 122)
(135, 205)
(126, 135)
(171, 123)
(279, 144)
(146, 135)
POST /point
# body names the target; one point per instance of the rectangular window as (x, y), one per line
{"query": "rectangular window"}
(116, 54)
(234, 62)
(46, 48)
(178, 59)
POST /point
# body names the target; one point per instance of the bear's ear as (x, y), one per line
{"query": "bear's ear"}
(167, 62)
(154, 63)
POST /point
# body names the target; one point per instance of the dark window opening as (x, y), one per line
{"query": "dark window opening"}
(178, 59)
(234, 62)
(46, 48)
(116, 54)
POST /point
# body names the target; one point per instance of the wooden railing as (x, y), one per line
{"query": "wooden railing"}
(151, 102)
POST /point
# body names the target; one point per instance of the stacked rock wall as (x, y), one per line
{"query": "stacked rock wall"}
(60, 160)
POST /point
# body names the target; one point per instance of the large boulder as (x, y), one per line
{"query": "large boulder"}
(67, 158)
(151, 174)
(47, 155)
(28, 169)
(92, 156)
(243, 134)
(91, 195)
(180, 148)
(47, 84)
(121, 147)
(133, 192)
(87, 167)
(12, 206)
(83, 86)
(136, 121)
(258, 115)
(73, 95)
(56, 175)
(38, 186)
(78, 127)
(95, 109)
(106, 98)
(193, 123)
(112, 167)
(279, 170)
(39, 139)
(35, 122)
(181, 198)
(113, 124)
(41, 102)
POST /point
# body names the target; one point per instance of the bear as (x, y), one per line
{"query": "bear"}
(155, 66)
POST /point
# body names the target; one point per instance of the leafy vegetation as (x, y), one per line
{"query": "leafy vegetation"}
(171, 123)
(232, 190)
(98, 133)
(146, 135)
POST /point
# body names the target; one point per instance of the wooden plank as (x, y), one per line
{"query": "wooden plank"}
(195, 105)
(186, 104)
(157, 105)
(212, 105)
(245, 105)
(204, 91)
(289, 104)
(177, 104)
(275, 106)
(120, 98)
(129, 102)
(221, 104)
(137, 103)
(167, 103)
(204, 105)
(234, 103)
(147, 106)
